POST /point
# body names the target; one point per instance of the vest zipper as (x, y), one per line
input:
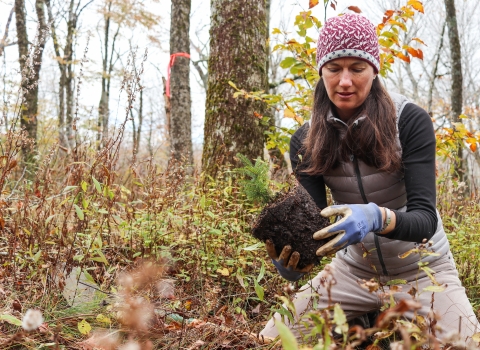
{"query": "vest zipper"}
(364, 197)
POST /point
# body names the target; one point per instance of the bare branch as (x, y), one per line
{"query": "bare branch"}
(3, 42)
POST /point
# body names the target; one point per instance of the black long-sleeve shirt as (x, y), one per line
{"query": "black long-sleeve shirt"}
(417, 138)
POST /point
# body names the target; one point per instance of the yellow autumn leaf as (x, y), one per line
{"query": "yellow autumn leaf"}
(224, 272)
(416, 4)
(290, 81)
(288, 113)
(435, 289)
(84, 327)
(476, 337)
(103, 319)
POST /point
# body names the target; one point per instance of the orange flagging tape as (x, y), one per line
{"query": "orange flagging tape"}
(170, 65)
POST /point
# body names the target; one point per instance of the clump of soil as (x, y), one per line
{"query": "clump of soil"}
(292, 219)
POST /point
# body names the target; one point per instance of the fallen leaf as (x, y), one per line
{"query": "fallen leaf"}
(256, 310)
(11, 319)
(166, 289)
(434, 289)
(476, 337)
(103, 319)
(84, 327)
(224, 272)
(197, 345)
(16, 305)
(44, 328)
(240, 319)
(221, 310)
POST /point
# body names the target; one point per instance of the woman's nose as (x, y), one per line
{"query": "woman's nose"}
(345, 79)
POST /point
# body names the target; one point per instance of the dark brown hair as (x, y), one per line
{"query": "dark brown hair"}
(373, 140)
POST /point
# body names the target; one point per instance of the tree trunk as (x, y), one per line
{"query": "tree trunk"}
(140, 123)
(30, 65)
(435, 70)
(107, 68)
(137, 130)
(103, 108)
(69, 76)
(65, 64)
(180, 100)
(168, 116)
(238, 53)
(457, 78)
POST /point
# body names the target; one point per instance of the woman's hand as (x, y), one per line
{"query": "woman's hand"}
(287, 262)
(357, 220)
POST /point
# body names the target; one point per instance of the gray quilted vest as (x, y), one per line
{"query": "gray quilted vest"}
(354, 182)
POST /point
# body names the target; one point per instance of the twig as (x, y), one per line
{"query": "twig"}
(93, 287)
(3, 42)
(15, 187)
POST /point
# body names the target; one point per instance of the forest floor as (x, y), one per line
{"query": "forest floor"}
(162, 260)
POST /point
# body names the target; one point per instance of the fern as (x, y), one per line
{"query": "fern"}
(256, 182)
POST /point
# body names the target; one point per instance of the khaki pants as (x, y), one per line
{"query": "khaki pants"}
(452, 305)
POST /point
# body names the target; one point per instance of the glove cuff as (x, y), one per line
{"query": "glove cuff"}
(377, 219)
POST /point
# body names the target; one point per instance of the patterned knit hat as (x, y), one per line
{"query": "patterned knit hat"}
(350, 35)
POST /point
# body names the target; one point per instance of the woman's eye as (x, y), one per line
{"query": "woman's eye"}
(360, 70)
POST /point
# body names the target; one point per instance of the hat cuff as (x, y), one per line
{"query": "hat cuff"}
(353, 53)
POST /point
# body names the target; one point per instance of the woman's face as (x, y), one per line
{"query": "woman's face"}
(348, 82)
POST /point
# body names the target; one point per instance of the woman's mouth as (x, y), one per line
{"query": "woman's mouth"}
(345, 94)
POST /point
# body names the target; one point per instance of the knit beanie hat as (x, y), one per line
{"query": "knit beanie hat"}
(350, 35)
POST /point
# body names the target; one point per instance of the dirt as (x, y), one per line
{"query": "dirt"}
(291, 219)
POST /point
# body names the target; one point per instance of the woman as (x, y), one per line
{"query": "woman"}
(376, 153)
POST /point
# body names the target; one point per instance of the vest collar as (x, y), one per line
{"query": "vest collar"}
(334, 120)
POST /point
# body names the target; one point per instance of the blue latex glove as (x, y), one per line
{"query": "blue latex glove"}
(286, 263)
(357, 220)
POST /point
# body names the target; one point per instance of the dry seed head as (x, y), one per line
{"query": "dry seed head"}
(103, 340)
(131, 345)
(135, 313)
(396, 346)
(32, 320)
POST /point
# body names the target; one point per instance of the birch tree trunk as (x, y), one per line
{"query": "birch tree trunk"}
(30, 64)
(180, 129)
(238, 53)
(457, 78)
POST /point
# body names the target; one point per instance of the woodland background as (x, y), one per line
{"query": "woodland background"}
(123, 218)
